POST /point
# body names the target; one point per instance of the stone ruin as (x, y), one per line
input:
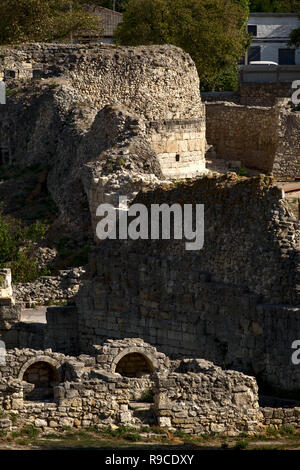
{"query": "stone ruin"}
(51, 390)
(257, 126)
(152, 323)
(107, 120)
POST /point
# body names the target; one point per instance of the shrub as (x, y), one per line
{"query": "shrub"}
(17, 247)
(287, 430)
(30, 430)
(243, 171)
(133, 437)
(147, 396)
(272, 432)
(240, 445)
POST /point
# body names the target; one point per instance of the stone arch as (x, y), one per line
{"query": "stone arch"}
(139, 363)
(41, 374)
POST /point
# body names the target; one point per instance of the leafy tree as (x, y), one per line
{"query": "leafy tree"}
(212, 31)
(275, 6)
(44, 20)
(17, 247)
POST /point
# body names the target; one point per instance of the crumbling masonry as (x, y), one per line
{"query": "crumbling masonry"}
(150, 319)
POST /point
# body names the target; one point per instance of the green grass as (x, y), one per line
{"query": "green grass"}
(124, 436)
(241, 445)
(272, 432)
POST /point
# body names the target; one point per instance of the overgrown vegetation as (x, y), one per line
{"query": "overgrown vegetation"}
(147, 396)
(285, 437)
(17, 246)
(275, 6)
(45, 20)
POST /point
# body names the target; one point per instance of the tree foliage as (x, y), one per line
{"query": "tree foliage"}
(44, 20)
(212, 31)
(275, 6)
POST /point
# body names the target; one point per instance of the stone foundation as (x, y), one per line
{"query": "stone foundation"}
(50, 390)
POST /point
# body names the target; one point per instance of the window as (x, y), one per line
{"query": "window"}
(252, 29)
(254, 54)
(286, 56)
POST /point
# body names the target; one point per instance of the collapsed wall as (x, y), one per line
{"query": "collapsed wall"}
(234, 302)
(245, 133)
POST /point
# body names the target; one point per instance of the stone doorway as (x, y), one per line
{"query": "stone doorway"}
(44, 377)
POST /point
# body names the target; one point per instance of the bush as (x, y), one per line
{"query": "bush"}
(30, 430)
(147, 396)
(133, 437)
(240, 445)
(272, 432)
(287, 430)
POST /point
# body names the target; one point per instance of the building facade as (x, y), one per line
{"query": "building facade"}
(271, 36)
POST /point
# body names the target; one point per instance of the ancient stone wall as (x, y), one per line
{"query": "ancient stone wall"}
(263, 138)
(50, 390)
(264, 94)
(287, 158)
(47, 290)
(245, 133)
(93, 104)
(155, 82)
(198, 401)
(278, 417)
(180, 147)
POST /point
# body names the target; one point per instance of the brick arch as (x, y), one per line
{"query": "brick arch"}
(52, 362)
(150, 359)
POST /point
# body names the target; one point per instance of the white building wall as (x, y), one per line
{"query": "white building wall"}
(273, 32)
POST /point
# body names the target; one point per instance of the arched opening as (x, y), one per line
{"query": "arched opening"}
(134, 365)
(44, 377)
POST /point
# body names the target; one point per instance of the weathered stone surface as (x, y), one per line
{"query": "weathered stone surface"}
(95, 106)
(103, 394)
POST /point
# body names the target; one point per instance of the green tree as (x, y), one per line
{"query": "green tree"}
(295, 38)
(17, 247)
(44, 20)
(212, 31)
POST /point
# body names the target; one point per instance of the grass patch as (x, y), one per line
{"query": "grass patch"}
(287, 430)
(241, 445)
(132, 436)
(272, 432)
(30, 430)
